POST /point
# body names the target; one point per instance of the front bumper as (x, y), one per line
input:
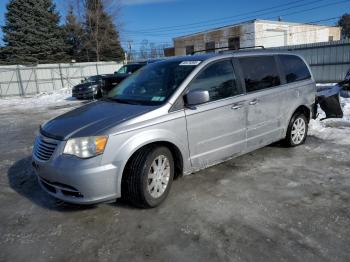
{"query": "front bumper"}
(90, 93)
(104, 92)
(77, 181)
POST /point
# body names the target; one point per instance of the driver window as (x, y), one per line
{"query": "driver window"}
(218, 79)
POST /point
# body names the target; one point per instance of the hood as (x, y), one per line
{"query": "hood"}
(92, 119)
(122, 76)
(84, 85)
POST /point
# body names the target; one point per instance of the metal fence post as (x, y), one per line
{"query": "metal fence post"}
(61, 75)
(19, 78)
(96, 69)
(36, 81)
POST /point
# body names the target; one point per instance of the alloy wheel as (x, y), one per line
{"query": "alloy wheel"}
(158, 176)
(298, 131)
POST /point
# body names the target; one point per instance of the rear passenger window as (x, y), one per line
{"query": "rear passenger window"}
(294, 68)
(259, 72)
(218, 79)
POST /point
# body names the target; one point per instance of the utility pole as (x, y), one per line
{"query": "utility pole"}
(129, 47)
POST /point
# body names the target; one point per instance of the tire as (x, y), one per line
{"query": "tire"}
(99, 93)
(297, 130)
(137, 182)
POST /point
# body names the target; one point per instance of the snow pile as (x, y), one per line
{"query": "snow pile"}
(333, 130)
(57, 97)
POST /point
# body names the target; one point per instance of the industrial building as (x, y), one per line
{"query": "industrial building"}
(256, 33)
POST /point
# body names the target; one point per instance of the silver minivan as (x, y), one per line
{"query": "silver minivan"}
(171, 118)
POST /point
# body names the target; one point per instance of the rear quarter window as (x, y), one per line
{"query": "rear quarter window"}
(294, 68)
(260, 72)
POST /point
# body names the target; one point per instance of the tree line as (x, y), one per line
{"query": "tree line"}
(33, 33)
(344, 23)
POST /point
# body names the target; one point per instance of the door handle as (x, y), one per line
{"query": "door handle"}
(237, 106)
(253, 102)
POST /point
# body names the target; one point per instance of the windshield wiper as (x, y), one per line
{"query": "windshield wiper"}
(124, 101)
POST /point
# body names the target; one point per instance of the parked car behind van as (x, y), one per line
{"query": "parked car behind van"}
(110, 81)
(89, 88)
(171, 118)
(345, 85)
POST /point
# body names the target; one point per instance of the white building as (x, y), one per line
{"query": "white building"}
(256, 33)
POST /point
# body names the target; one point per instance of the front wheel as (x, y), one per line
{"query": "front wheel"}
(99, 93)
(297, 130)
(148, 177)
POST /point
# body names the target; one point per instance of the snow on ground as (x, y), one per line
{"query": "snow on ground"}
(334, 130)
(55, 98)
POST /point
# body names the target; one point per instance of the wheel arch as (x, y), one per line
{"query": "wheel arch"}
(303, 110)
(129, 145)
(299, 109)
(175, 151)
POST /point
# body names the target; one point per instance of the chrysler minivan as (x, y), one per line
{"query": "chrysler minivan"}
(171, 118)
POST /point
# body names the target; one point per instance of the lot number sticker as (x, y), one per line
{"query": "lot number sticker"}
(190, 63)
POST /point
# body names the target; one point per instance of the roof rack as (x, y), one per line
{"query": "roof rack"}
(226, 47)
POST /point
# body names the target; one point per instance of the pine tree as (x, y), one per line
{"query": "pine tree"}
(32, 33)
(73, 36)
(101, 41)
(344, 22)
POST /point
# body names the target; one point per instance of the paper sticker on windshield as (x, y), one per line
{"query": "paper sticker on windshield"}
(158, 98)
(190, 63)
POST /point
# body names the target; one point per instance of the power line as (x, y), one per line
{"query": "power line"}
(285, 14)
(241, 19)
(267, 37)
(218, 19)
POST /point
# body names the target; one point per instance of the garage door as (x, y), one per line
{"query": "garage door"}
(274, 38)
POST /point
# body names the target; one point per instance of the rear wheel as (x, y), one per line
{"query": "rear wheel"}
(297, 130)
(148, 177)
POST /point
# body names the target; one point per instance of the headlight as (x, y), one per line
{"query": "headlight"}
(86, 147)
(92, 87)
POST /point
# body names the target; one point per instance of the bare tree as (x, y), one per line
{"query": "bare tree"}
(153, 50)
(144, 49)
(150, 50)
(101, 39)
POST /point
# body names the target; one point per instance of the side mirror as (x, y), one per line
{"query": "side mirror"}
(196, 97)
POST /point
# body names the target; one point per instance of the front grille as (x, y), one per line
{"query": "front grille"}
(44, 148)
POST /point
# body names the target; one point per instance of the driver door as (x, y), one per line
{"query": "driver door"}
(216, 129)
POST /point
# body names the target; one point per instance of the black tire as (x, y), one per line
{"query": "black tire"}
(135, 178)
(288, 141)
(99, 93)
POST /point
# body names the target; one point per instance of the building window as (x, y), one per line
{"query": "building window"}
(210, 47)
(189, 50)
(331, 38)
(234, 43)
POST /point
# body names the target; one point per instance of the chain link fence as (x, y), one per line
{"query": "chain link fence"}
(329, 62)
(21, 80)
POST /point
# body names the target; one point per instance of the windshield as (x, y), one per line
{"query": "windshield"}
(128, 69)
(93, 79)
(153, 84)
